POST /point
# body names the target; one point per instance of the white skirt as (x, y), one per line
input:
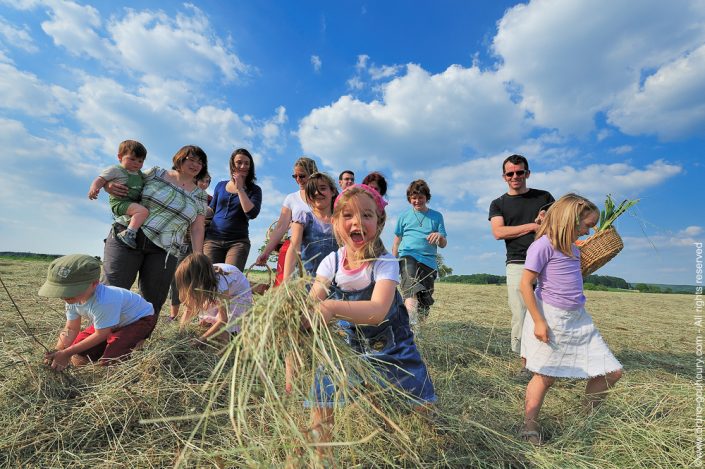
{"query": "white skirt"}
(575, 348)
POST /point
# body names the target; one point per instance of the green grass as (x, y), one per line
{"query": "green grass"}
(127, 416)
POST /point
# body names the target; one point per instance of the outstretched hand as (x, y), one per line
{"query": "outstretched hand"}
(58, 360)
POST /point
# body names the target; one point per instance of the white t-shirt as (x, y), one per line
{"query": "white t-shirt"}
(296, 204)
(385, 268)
(110, 307)
(235, 286)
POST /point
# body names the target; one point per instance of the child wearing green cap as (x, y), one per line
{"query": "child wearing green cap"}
(118, 319)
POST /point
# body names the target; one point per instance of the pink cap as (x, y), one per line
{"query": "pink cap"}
(381, 203)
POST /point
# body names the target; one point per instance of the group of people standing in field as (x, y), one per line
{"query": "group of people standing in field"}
(169, 233)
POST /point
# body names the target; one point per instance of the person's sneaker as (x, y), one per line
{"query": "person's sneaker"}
(127, 238)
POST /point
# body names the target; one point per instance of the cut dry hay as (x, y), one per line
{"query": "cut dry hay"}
(171, 403)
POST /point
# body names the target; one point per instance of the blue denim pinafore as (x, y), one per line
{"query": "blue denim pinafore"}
(389, 346)
(318, 241)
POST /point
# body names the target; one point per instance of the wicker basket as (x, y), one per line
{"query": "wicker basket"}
(599, 249)
(258, 288)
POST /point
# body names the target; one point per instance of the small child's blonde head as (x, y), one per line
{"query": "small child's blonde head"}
(349, 202)
(563, 219)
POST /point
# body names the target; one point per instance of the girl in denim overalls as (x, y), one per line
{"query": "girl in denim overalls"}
(312, 232)
(357, 286)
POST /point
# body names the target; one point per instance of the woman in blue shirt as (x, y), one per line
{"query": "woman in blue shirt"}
(235, 202)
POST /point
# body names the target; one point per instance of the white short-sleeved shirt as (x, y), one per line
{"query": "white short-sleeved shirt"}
(110, 307)
(235, 286)
(296, 204)
(384, 268)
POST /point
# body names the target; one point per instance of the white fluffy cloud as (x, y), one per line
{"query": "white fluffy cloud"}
(24, 92)
(75, 27)
(17, 37)
(316, 62)
(573, 59)
(670, 104)
(421, 118)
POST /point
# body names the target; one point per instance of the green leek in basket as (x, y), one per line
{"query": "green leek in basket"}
(610, 213)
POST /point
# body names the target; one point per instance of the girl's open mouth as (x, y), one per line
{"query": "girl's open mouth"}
(357, 237)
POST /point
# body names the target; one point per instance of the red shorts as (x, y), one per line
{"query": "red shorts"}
(280, 262)
(120, 341)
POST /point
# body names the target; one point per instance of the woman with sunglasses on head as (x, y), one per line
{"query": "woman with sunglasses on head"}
(176, 205)
(294, 202)
(235, 202)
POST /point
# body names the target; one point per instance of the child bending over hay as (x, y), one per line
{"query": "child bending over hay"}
(218, 293)
(559, 338)
(357, 285)
(120, 319)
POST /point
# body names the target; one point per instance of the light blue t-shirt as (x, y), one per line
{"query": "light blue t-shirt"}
(413, 227)
(111, 307)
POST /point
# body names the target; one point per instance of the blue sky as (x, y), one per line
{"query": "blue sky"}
(601, 96)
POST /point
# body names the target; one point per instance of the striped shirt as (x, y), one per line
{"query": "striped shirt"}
(172, 210)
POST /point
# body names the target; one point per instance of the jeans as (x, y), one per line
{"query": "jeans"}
(121, 266)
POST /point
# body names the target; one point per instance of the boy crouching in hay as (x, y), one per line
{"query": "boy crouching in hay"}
(119, 319)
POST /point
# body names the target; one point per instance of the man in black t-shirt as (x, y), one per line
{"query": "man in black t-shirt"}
(515, 217)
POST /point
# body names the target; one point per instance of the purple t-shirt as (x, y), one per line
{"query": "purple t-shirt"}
(560, 281)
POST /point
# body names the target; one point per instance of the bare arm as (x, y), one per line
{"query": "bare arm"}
(198, 230)
(60, 359)
(369, 312)
(395, 246)
(275, 235)
(245, 201)
(500, 231)
(95, 188)
(528, 279)
(220, 321)
(292, 254)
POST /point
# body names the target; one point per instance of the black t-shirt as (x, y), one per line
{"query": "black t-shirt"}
(519, 210)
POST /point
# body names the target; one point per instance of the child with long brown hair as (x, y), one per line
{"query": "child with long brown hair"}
(559, 339)
(311, 231)
(217, 293)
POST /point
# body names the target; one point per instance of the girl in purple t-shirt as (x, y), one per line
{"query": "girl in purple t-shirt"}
(559, 339)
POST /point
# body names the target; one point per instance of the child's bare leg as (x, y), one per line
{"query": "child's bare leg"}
(174, 312)
(412, 306)
(596, 388)
(138, 214)
(321, 427)
(290, 370)
(535, 393)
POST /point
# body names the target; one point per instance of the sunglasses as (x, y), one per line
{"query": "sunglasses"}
(519, 173)
(298, 176)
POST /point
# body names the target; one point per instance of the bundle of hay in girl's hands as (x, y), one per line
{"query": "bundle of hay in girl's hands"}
(605, 244)
(272, 427)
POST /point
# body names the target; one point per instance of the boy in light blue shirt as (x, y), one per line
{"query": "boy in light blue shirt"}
(118, 319)
(418, 234)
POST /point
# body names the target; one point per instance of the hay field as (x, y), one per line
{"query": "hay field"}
(145, 412)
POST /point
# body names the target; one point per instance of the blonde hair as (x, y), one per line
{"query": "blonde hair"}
(197, 282)
(562, 220)
(307, 165)
(373, 248)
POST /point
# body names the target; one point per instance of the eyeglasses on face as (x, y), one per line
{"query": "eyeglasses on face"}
(195, 160)
(519, 173)
(299, 176)
(348, 179)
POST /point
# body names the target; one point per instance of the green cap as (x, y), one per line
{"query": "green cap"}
(70, 276)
